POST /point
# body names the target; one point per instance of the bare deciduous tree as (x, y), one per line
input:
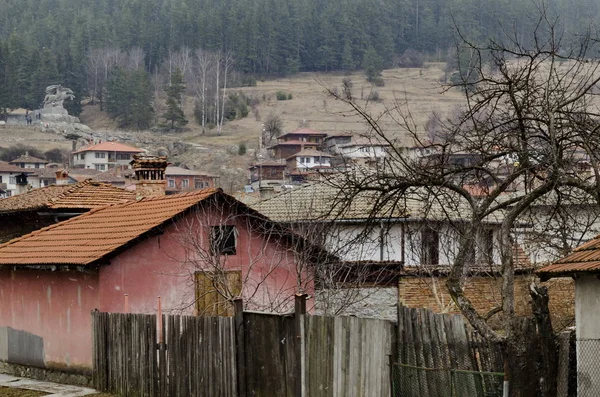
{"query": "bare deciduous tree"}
(526, 132)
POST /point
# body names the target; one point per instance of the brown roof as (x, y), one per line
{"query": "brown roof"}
(311, 153)
(5, 167)
(585, 258)
(109, 147)
(26, 158)
(90, 237)
(82, 195)
(304, 131)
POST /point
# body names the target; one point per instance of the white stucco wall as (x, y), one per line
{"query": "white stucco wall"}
(350, 244)
(587, 320)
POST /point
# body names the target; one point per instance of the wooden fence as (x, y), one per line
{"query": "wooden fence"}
(250, 354)
(195, 359)
(439, 356)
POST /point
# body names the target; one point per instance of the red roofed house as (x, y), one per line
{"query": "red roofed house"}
(583, 265)
(295, 141)
(196, 250)
(104, 155)
(183, 180)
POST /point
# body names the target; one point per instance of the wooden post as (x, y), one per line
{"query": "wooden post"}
(299, 312)
(240, 346)
(159, 322)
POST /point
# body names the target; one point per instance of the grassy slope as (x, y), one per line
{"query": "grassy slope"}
(217, 153)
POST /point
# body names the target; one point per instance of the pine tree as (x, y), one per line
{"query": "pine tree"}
(175, 90)
(129, 97)
(372, 64)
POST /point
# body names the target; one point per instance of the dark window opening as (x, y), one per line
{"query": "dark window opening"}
(488, 246)
(430, 251)
(223, 240)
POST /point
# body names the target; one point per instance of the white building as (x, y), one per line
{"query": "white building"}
(362, 149)
(27, 161)
(8, 179)
(309, 159)
(105, 155)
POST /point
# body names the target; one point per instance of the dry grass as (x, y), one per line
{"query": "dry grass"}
(13, 392)
(419, 88)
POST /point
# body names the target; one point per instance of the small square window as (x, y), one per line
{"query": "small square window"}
(223, 240)
(198, 184)
(171, 183)
(185, 183)
(12, 180)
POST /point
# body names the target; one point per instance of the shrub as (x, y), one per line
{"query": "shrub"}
(242, 149)
(374, 96)
(377, 81)
(289, 97)
(281, 96)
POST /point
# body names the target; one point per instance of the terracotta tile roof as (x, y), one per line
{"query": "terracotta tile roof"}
(82, 195)
(26, 158)
(90, 237)
(109, 147)
(268, 163)
(6, 167)
(585, 258)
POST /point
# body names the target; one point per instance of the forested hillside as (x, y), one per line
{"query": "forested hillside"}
(48, 41)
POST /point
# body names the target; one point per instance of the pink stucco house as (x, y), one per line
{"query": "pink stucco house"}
(196, 250)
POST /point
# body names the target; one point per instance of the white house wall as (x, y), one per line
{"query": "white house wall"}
(547, 234)
(587, 320)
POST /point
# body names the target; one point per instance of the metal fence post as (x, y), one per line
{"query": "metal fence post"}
(299, 313)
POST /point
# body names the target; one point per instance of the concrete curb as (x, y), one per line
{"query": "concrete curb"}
(56, 389)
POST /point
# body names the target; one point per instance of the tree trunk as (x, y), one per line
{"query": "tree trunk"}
(547, 354)
(520, 352)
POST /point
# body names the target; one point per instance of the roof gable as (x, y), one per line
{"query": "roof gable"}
(92, 236)
(82, 195)
(585, 258)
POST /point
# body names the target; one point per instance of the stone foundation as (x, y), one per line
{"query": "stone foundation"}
(79, 378)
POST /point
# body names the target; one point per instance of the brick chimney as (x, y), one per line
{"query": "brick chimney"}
(62, 177)
(149, 174)
(22, 183)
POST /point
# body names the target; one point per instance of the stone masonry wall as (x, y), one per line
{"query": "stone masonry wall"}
(484, 292)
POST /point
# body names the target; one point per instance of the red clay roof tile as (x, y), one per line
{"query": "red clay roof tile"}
(586, 258)
(83, 195)
(87, 238)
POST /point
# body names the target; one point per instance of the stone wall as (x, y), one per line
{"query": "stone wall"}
(484, 292)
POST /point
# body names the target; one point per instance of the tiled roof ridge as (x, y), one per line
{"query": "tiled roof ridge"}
(121, 204)
(184, 194)
(79, 185)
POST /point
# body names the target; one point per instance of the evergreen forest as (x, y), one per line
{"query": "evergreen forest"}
(75, 42)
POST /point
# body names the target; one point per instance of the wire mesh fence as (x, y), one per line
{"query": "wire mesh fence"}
(588, 367)
(413, 381)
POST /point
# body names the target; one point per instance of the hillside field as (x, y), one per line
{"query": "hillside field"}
(419, 90)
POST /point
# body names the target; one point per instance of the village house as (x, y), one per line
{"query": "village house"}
(266, 174)
(27, 161)
(103, 156)
(41, 207)
(407, 250)
(184, 180)
(13, 179)
(295, 141)
(196, 250)
(583, 266)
